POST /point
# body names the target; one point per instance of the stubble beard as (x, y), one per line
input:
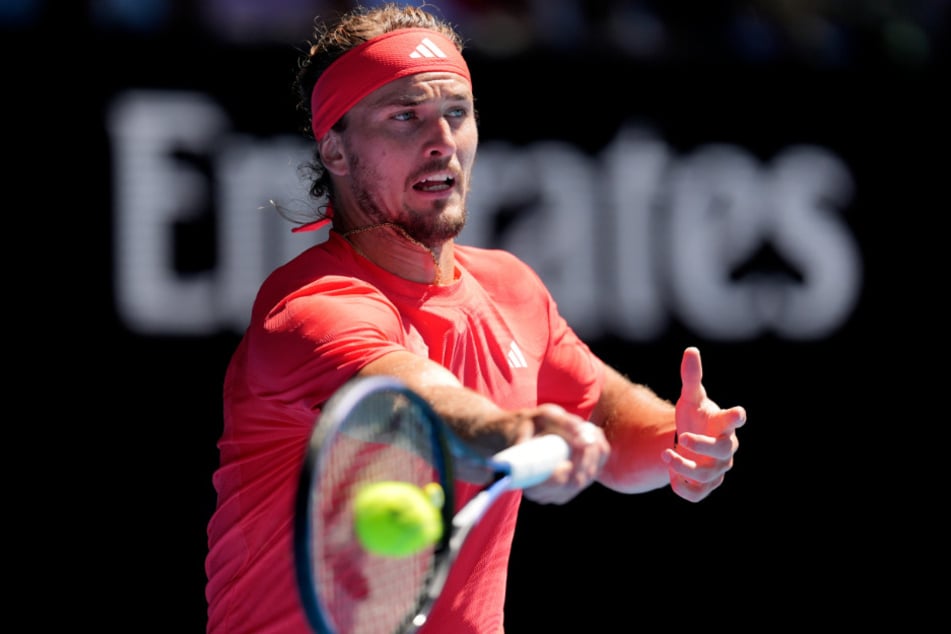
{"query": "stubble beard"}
(434, 230)
(429, 229)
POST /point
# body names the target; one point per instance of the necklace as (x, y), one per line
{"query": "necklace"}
(346, 236)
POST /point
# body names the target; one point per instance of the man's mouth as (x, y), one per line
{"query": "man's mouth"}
(435, 183)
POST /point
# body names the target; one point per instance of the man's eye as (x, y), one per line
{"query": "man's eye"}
(404, 116)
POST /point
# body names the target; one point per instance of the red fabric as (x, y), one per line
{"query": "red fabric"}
(319, 223)
(376, 62)
(315, 323)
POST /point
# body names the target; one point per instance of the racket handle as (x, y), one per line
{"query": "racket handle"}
(531, 462)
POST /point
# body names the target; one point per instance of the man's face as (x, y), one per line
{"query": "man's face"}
(409, 148)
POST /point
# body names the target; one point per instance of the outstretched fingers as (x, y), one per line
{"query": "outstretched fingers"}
(720, 448)
(706, 440)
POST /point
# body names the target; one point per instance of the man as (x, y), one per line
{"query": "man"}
(390, 293)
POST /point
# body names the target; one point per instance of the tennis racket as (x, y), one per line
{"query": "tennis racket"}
(376, 429)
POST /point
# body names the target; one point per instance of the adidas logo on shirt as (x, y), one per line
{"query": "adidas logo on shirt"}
(515, 357)
(426, 48)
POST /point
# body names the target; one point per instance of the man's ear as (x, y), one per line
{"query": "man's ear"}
(332, 153)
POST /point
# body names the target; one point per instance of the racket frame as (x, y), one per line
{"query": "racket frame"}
(517, 467)
(332, 418)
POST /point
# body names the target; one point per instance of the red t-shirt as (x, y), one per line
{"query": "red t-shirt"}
(318, 320)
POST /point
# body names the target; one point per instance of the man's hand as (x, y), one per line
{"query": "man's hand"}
(706, 435)
(589, 452)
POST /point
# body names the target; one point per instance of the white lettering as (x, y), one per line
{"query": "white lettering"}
(626, 241)
(158, 141)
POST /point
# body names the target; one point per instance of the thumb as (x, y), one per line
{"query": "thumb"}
(691, 376)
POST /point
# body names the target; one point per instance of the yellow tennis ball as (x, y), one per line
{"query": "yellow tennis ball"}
(397, 519)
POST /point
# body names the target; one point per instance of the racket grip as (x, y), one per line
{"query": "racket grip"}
(531, 462)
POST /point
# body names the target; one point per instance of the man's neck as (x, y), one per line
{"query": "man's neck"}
(391, 248)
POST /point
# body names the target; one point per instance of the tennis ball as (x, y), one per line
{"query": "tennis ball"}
(398, 519)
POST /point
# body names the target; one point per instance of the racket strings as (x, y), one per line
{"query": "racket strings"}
(387, 437)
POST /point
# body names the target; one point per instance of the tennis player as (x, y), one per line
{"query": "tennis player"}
(389, 101)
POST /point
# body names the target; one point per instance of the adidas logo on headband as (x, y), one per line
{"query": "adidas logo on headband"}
(376, 62)
(426, 48)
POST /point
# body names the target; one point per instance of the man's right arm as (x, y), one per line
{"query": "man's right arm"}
(488, 428)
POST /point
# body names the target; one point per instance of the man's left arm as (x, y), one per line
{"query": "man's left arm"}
(689, 445)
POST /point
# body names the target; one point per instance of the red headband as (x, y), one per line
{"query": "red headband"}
(376, 62)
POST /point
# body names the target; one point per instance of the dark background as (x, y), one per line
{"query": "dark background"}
(829, 513)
